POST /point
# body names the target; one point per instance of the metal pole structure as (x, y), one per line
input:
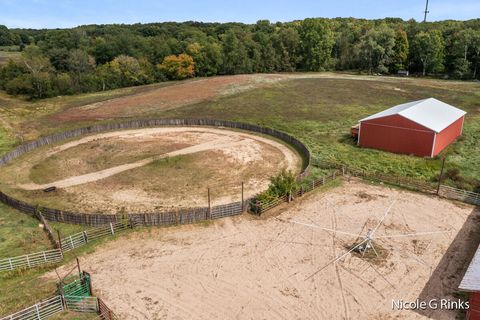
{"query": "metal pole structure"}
(242, 197)
(78, 267)
(60, 241)
(426, 11)
(441, 175)
(209, 213)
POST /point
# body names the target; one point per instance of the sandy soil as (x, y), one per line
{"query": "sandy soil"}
(94, 175)
(244, 268)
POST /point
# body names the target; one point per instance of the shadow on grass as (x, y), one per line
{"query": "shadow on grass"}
(445, 279)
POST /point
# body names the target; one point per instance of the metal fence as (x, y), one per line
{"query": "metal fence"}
(82, 238)
(259, 207)
(75, 295)
(227, 210)
(67, 244)
(459, 194)
(52, 306)
(31, 260)
(41, 310)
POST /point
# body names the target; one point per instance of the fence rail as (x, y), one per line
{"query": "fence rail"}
(31, 260)
(67, 244)
(459, 194)
(76, 295)
(259, 207)
(82, 304)
(82, 238)
(39, 311)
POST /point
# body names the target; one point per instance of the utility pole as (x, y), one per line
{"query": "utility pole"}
(426, 11)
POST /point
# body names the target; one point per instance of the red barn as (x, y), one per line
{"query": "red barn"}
(423, 128)
(471, 284)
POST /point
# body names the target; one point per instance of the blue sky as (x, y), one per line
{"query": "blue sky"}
(69, 13)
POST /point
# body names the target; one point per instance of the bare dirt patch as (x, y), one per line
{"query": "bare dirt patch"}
(165, 98)
(244, 268)
(149, 169)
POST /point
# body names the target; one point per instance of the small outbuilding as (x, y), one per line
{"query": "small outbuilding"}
(422, 128)
(471, 284)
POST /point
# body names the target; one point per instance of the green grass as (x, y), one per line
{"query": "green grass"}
(320, 112)
(21, 288)
(7, 55)
(75, 316)
(20, 234)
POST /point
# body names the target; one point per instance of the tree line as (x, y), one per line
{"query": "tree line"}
(100, 57)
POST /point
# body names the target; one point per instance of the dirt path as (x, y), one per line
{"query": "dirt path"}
(228, 141)
(242, 268)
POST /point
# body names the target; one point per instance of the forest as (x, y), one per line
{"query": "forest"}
(100, 57)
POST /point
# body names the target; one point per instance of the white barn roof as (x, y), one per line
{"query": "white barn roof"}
(471, 279)
(430, 113)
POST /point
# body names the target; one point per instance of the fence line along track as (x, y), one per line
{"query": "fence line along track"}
(75, 294)
(66, 244)
(459, 194)
(163, 218)
(258, 207)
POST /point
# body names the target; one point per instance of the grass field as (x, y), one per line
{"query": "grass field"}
(20, 234)
(321, 111)
(7, 55)
(318, 111)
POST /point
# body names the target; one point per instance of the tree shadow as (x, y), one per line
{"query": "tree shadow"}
(445, 279)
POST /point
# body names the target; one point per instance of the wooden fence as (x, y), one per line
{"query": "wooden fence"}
(162, 218)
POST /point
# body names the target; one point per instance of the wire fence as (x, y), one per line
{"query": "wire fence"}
(459, 194)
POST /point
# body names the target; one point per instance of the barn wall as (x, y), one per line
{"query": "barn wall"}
(448, 135)
(397, 134)
(474, 310)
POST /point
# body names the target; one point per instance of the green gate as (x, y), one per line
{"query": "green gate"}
(77, 292)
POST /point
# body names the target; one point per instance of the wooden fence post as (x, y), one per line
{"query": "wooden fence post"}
(111, 229)
(242, 198)
(209, 208)
(78, 267)
(60, 241)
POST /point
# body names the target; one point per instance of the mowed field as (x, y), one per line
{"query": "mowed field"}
(273, 268)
